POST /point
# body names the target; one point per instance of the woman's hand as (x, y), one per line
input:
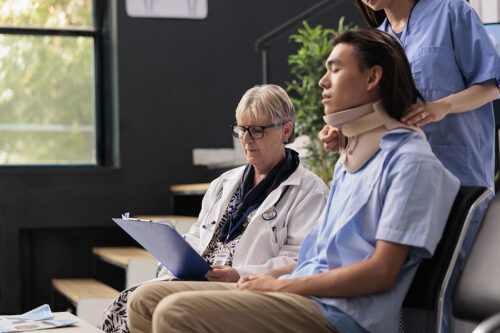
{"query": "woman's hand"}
(421, 114)
(466, 100)
(260, 282)
(223, 274)
(329, 136)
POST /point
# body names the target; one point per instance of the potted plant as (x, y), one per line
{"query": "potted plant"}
(308, 66)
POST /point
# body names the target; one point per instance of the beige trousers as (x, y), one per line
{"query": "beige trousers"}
(177, 306)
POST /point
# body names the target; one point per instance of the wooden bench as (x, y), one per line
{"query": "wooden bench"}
(89, 296)
(139, 264)
(190, 189)
(187, 198)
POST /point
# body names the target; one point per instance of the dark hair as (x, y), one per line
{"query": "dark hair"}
(374, 47)
(373, 18)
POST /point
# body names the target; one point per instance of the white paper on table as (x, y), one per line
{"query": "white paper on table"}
(36, 319)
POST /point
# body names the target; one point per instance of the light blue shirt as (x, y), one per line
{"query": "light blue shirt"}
(402, 195)
(449, 51)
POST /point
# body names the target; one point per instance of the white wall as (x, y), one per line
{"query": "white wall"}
(488, 10)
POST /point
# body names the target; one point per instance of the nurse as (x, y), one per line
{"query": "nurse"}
(457, 70)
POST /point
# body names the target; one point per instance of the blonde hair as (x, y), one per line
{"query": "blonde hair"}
(267, 102)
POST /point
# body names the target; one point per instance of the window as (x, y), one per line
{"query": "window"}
(48, 82)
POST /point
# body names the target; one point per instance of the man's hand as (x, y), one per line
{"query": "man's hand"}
(261, 282)
(223, 274)
(329, 136)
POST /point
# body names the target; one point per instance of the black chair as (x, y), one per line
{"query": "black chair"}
(423, 306)
(489, 325)
(477, 296)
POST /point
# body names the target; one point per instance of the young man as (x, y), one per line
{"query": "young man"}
(387, 208)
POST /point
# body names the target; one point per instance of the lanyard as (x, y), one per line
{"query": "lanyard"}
(250, 209)
(242, 220)
(404, 35)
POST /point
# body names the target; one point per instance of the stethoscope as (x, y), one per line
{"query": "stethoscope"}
(268, 215)
(271, 213)
(213, 223)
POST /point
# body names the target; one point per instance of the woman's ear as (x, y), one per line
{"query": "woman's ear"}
(375, 75)
(287, 130)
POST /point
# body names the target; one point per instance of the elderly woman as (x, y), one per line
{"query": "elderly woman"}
(255, 217)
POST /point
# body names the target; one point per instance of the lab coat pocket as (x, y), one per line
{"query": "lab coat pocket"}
(280, 236)
(278, 233)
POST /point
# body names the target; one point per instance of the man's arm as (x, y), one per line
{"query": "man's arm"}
(376, 274)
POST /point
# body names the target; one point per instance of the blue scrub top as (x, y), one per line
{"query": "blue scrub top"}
(402, 195)
(449, 51)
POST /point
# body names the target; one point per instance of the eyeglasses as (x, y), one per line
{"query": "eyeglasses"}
(255, 132)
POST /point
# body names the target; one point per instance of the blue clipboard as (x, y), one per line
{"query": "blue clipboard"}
(166, 245)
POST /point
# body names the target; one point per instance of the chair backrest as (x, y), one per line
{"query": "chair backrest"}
(424, 290)
(423, 306)
(477, 295)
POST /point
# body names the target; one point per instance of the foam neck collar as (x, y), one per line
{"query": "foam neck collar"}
(360, 131)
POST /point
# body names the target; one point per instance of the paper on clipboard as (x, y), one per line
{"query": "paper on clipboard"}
(167, 246)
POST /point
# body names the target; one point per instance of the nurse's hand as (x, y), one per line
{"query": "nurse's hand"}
(329, 136)
(223, 274)
(260, 282)
(420, 114)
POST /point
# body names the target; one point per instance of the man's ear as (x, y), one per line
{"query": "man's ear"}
(375, 75)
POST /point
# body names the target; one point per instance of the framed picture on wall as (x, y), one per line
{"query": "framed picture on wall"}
(179, 9)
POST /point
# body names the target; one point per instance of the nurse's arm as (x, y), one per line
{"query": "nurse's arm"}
(376, 274)
(469, 99)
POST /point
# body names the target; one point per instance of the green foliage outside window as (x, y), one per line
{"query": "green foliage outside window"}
(47, 84)
(46, 13)
(308, 66)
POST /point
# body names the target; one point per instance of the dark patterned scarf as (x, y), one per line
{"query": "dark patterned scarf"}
(248, 197)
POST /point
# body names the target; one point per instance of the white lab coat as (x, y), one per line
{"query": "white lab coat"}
(264, 245)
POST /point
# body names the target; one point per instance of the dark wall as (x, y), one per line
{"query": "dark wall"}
(178, 84)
